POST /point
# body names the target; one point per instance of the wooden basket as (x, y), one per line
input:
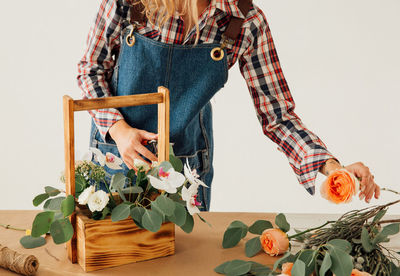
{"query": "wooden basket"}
(98, 244)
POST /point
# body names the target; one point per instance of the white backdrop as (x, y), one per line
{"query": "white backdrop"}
(341, 60)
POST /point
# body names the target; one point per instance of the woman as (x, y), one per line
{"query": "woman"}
(188, 46)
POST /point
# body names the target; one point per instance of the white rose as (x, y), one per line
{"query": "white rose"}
(98, 200)
(84, 196)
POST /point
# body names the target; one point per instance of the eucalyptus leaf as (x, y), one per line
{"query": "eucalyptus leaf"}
(80, 183)
(366, 241)
(258, 269)
(342, 244)
(259, 226)
(287, 257)
(388, 230)
(176, 163)
(51, 191)
(61, 231)
(118, 181)
(32, 242)
(237, 267)
(238, 223)
(152, 220)
(189, 224)
(326, 264)
(131, 174)
(121, 212)
(379, 215)
(137, 215)
(342, 263)
(39, 199)
(232, 237)
(68, 205)
(179, 215)
(133, 190)
(253, 246)
(281, 222)
(308, 258)
(220, 269)
(53, 204)
(164, 205)
(299, 268)
(41, 223)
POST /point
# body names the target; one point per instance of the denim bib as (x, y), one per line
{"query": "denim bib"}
(192, 77)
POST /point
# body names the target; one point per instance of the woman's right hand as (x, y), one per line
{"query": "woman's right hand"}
(129, 142)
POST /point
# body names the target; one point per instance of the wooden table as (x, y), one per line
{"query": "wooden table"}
(197, 253)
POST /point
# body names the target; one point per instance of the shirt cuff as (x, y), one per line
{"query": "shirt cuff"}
(307, 170)
(104, 119)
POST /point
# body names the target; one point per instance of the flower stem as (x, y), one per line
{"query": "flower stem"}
(390, 190)
(8, 226)
(309, 230)
(108, 189)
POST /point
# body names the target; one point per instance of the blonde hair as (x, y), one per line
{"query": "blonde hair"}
(159, 11)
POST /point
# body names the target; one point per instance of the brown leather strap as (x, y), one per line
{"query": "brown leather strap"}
(235, 24)
(137, 14)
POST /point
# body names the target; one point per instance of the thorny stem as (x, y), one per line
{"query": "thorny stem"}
(309, 230)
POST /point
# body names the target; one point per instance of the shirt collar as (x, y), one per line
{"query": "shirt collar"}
(228, 6)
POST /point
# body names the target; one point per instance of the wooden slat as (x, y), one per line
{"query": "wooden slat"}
(163, 125)
(118, 101)
(69, 150)
(103, 243)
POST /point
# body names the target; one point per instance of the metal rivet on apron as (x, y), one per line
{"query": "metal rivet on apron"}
(217, 53)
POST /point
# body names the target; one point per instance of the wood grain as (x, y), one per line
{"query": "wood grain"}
(163, 126)
(118, 101)
(69, 150)
(103, 243)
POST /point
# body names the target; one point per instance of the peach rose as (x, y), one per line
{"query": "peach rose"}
(287, 269)
(340, 186)
(274, 241)
(356, 272)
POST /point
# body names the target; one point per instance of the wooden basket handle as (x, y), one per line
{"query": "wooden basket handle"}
(70, 106)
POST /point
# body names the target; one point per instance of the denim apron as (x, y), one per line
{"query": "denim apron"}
(192, 77)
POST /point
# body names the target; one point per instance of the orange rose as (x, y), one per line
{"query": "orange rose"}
(287, 269)
(274, 241)
(340, 186)
(356, 272)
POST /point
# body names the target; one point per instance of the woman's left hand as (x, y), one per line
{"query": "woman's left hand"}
(368, 187)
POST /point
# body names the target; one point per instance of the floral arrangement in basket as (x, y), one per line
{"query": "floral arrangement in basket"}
(160, 193)
(349, 246)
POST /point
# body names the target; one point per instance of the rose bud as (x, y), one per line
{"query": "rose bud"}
(274, 241)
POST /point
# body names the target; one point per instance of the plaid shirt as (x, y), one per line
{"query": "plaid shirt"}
(258, 62)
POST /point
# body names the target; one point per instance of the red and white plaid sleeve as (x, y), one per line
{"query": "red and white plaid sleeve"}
(97, 63)
(260, 67)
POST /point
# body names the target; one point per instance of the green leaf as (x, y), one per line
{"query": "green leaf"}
(388, 230)
(176, 163)
(366, 241)
(80, 183)
(238, 223)
(179, 215)
(164, 205)
(259, 226)
(189, 224)
(326, 264)
(171, 150)
(220, 269)
(53, 204)
(151, 220)
(308, 258)
(133, 190)
(137, 215)
(287, 257)
(32, 242)
(118, 181)
(299, 268)
(379, 215)
(105, 212)
(51, 191)
(259, 269)
(203, 220)
(39, 199)
(121, 212)
(68, 205)
(232, 237)
(341, 244)
(41, 223)
(61, 231)
(131, 174)
(281, 222)
(342, 263)
(237, 267)
(252, 247)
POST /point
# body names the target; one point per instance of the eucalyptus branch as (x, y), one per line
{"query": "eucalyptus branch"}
(390, 190)
(8, 226)
(309, 230)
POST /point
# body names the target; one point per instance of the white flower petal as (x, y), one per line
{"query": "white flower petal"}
(192, 209)
(84, 196)
(157, 183)
(175, 179)
(99, 157)
(140, 164)
(98, 200)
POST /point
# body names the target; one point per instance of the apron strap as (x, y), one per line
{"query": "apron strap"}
(235, 24)
(137, 14)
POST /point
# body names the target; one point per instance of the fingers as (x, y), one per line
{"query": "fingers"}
(146, 153)
(377, 191)
(369, 189)
(148, 135)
